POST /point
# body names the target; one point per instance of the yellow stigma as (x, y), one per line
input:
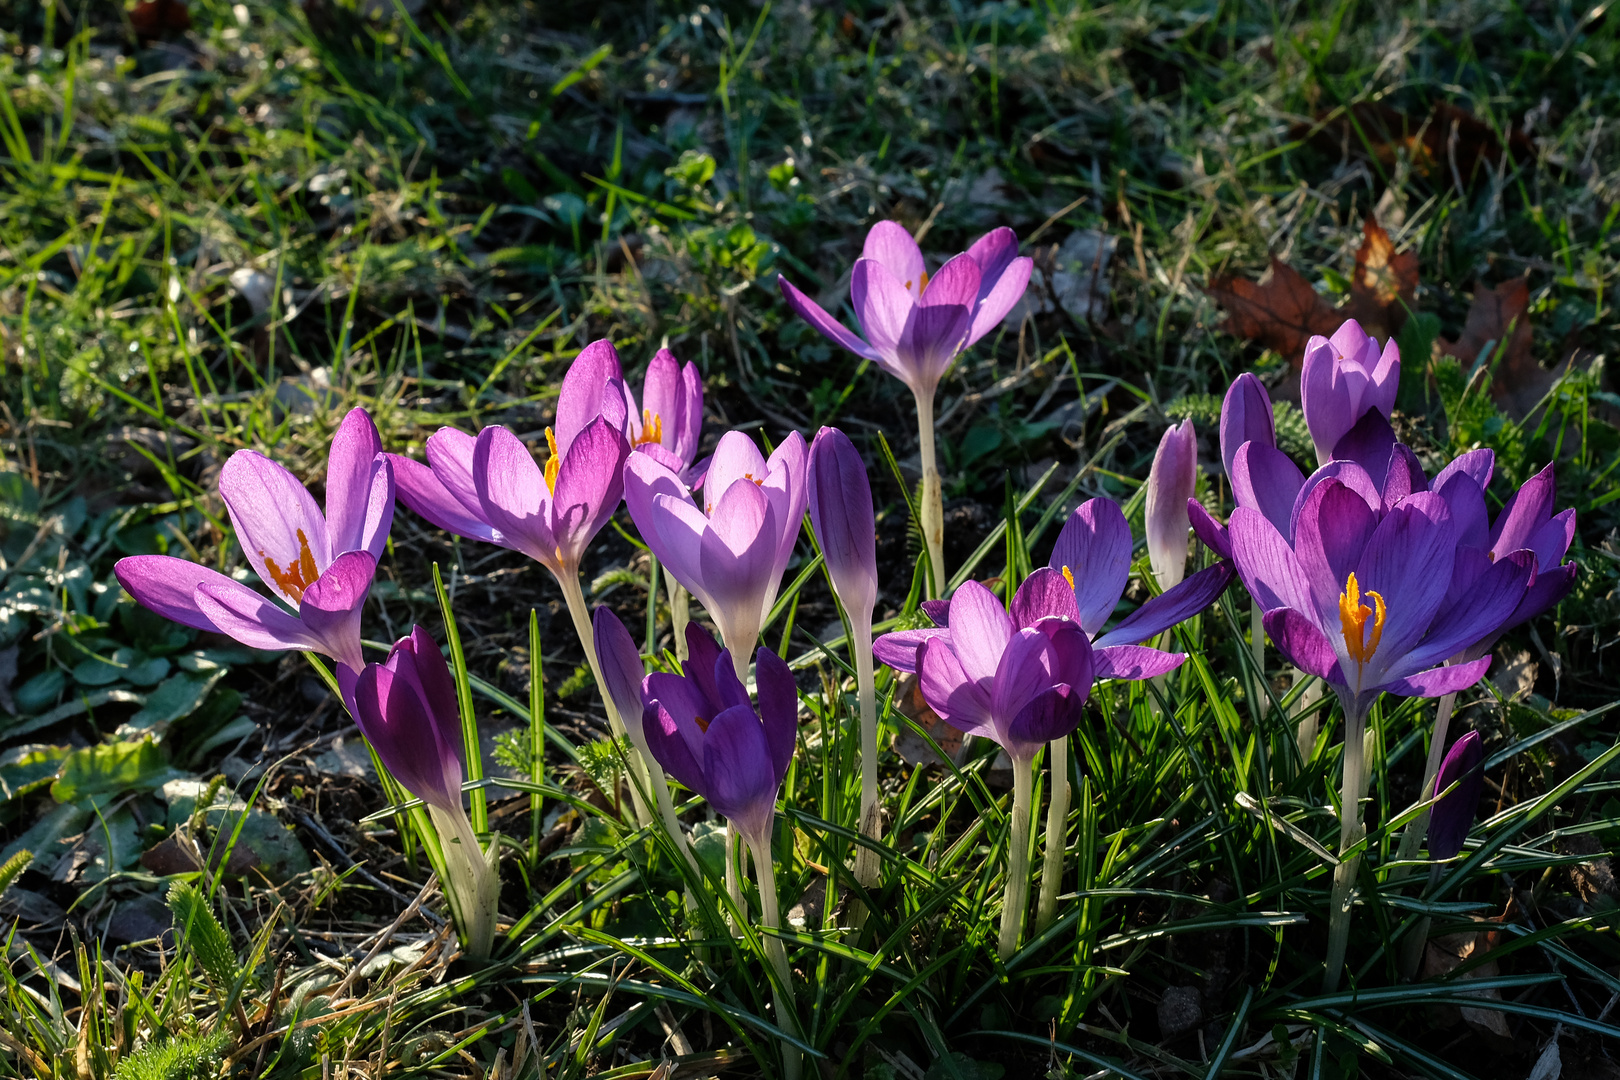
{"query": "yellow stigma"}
(652, 428)
(553, 463)
(1358, 642)
(1069, 577)
(298, 576)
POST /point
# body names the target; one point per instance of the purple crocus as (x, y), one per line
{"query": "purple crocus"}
(1344, 378)
(669, 420)
(319, 566)
(730, 552)
(1171, 482)
(1262, 477)
(1451, 816)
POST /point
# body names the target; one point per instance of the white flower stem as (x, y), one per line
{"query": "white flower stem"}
(1412, 839)
(1340, 907)
(1309, 715)
(680, 613)
(931, 513)
(1257, 639)
(470, 879)
(1057, 832)
(867, 866)
(734, 880)
(770, 918)
(1016, 898)
(575, 596)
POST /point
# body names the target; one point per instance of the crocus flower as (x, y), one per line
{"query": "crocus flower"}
(731, 552)
(1261, 476)
(914, 324)
(319, 566)
(1451, 816)
(1345, 377)
(406, 709)
(1171, 482)
(669, 420)
(490, 488)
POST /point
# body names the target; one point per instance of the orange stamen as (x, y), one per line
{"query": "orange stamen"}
(298, 576)
(652, 428)
(553, 463)
(923, 286)
(1067, 576)
(703, 725)
(1353, 615)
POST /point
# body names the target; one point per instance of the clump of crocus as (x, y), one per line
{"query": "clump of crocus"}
(1368, 592)
(840, 498)
(1453, 812)
(1344, 378)
(1171, 483)
(702, 728)
(319, 566)
(915, 325)
(731, 551)
(406, 709)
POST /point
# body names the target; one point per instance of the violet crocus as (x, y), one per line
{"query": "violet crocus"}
(1453, 812)
(1344, 377)
(730, 552)
(319, 566)
(406, 708)
(1170, 486)
(840, 499)
(704, 731)
(916, 325)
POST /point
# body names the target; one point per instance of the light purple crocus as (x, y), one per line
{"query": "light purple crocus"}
(1093, 556)
(705, 732)
(1170, 486)
(729, 552)
(1451, 817)
(490, 487)
(668, 422)
(319, 566)
(914, 324)
(840, 500)
(1261, 476)
(1344, 378)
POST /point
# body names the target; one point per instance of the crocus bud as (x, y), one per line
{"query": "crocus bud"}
(1245, 417)
(622, 670)
(406, 709)
(1450, 818)
(1170, 485)
(840, 500)
(1344, 378)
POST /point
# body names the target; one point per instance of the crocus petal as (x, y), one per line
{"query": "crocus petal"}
(1551, 541)
(622, 671)
(812, 313)
(1266, 479)
(1408, 561)
(998, 295)
(735, 560)
(959, 700)
(1439, 681)
(1385, 379)
(1026, 668)
(353, 511)
(840, 499)
(980, 629)
(1404, 475)
(689, 414)
(1469, 516)
(1486, 606)
(786, 488)
(168, 586)
(1348, 473)
(275, 518)
(703, 656)
(735, 458)
(1133, 662)
(451, 453)
(1269, 568)
(674, 530)
(891, 246)
(778, 708)
(669, 747)
(1368, 443)
(590, 483)
(724, 688)
(883, 309)
(939, 322)
(995, 252)
(1052, 714)
(1477, 464)
(1245, 417)
(1167, 609)
(1304, 644)
(1211, 532)
(332, 605)
(1331, 532)
(438, 689)
(512, 491)
(1526, 511)
(645, 478)
(1045, 594)
(662, 397)
(1171, 482)
(579, 401)
(242, 614)
(899, 649)
(424, 492)
(395, 722)
(1451, 816)
(683, 698)
(1095, 546)
(737, 764)
(938, 611)
(1323, 397)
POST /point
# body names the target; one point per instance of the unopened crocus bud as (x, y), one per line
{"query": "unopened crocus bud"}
(1450, 818)
(840, 498)
(406, 709)
(1344, 378)
(1245, 417)
(1170, 485)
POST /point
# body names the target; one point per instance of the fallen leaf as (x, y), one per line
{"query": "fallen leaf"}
(1447, 952)
(908, 744)
(1450, 144)
(153, 18)
(1500, 315)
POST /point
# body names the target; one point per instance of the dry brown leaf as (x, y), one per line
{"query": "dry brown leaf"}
(1447, 952)
(908, 744)
(1450, 145)
(1501, 315)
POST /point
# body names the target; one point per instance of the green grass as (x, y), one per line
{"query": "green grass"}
(438, 211)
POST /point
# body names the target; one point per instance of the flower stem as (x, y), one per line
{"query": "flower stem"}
(734, 880)
(1340, 907)
(1412, 839)
(932, 511)
(866, 860)
(680, 613)
(639, 782)
(469, 878)
(1057, 833)
(1016, 898)
(770, 918)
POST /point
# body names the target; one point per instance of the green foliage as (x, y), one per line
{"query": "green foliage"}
(1472, 419)
(1293, 437)
(12, 868)
(209, 943)
(179, 1057)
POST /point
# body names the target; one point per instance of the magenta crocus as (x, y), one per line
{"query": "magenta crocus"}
(1170, 486)
(1345, 377)
(319, 567)
(668, 421)
(1453, 814)
(729, 552)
